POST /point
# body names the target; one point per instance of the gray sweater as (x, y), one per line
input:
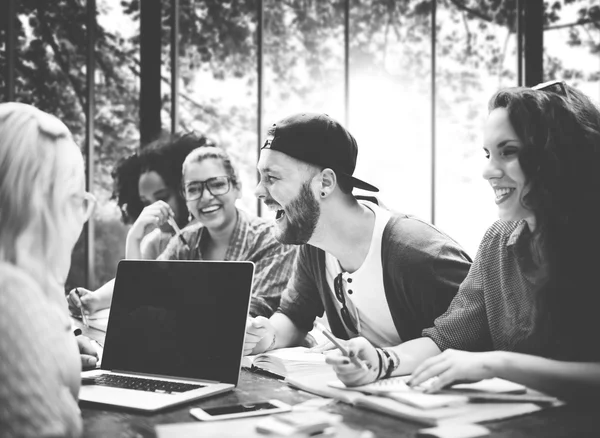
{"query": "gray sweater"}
(422, 269)
(40, 365)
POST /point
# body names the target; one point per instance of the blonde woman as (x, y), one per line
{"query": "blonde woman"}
(43, 206)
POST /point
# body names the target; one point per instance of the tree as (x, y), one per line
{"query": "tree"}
(304, 60)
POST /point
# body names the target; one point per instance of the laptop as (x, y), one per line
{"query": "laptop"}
(175, 333)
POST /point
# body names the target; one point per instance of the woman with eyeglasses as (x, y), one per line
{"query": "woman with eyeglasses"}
(43, 207)
(147, 190)
(527, 310)
(211, 186)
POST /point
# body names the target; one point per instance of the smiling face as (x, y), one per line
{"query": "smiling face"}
(503, 170)
(216, 212)
(152, 188)
(285, 187)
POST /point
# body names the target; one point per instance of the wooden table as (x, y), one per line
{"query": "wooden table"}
(101, 421)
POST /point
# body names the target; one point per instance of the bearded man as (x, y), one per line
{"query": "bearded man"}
(376, 273)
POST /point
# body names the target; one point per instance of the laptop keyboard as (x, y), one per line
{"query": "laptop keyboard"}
(127, 382)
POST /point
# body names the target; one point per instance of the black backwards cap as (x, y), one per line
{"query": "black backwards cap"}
(318, 139)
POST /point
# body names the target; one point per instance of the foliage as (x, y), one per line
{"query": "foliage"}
(303, 46)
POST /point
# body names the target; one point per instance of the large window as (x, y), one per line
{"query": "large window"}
(476, 55)
(390, 101)
(572, 45)
(411, 79)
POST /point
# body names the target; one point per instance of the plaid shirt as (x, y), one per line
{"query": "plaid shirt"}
(496, 306)
(252, 240)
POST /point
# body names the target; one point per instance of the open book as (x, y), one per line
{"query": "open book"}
(287, 362)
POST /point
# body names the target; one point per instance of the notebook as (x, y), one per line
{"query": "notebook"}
(175, 333)
(433, 409)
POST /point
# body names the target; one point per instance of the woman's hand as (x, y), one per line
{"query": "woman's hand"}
(455, 365)
(349, 373)
(151, 217)
(83, 300)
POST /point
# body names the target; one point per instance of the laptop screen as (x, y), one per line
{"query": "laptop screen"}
(179, 318)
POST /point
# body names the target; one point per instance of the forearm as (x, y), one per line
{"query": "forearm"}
(412, 353)
(287, 334)
(132, 247)
(104, 294)
(566, 380)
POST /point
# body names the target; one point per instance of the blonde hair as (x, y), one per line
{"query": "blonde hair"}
(31, 192)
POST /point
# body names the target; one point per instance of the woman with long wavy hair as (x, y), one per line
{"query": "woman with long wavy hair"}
(526, 311)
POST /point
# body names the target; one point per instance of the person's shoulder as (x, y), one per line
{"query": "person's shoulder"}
(12, 277)
(412, 229)
(259, 226)
(501, 233)
(18, 289)
(414, 240)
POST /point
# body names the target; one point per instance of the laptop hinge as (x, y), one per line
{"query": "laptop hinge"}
(165, 376)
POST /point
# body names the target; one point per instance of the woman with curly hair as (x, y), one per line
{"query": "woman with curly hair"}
(147, 190)
(526, 311)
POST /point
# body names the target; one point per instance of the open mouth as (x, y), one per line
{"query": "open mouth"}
(503, 194)
(210, 209)
(279, 215)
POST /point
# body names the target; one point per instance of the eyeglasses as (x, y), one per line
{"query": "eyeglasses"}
(216, 186)
(558, 87)
(88, 204)
(339, 294)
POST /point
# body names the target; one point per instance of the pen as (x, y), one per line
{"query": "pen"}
(173, 224)
(355, 360)
(83, 317)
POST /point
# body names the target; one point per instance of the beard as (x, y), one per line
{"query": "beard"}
(301, 218)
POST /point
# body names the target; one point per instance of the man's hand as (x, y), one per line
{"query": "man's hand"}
(89, 356)
(260, 335)
(347, 371)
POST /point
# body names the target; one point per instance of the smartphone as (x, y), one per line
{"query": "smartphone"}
(240, 410)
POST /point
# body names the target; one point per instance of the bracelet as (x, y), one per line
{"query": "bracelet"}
(390, 365)
(273, 342)
(396, 359)
(379, 355)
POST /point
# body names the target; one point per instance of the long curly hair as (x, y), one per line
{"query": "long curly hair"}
(559, 128)
(164, 156)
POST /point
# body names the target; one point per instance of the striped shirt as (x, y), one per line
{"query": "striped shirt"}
(496, 306)
(252, 240)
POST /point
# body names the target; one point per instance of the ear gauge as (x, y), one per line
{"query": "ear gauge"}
(322, 194)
